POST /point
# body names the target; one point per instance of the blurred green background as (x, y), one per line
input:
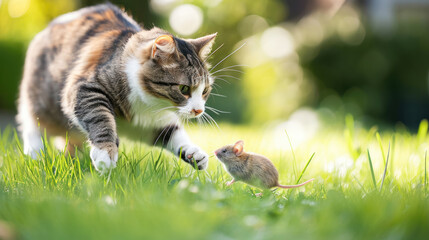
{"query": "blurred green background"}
(369, 58)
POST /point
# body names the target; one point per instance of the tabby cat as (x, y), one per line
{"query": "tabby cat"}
(94, 65)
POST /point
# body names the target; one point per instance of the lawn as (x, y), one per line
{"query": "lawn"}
(153, 195)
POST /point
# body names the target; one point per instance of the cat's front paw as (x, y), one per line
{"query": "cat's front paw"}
(194, 155)
(102, 160)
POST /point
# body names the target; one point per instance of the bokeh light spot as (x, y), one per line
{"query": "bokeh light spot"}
(277, 42)
(350, 28)
(251, 54)
(162, 6)
(252, 24)
(212, 3)
(302, 126)
(186, 19)
(312, 31)
(18, 8)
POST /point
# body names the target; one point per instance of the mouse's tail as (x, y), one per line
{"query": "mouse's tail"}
(295, 186)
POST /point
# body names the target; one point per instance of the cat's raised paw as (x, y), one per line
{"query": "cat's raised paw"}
(102, 161)
(194, 153)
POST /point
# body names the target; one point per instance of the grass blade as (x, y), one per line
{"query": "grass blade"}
(392, 155)
(349, 134)
(423, 130)
(305, 168)
(360, 184)
(385, 168)
(372, 170)
(426, 178)
(381, 146)
(293, 154)
(157, 162)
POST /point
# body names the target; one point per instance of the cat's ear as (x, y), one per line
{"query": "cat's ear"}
(204, 45)
(238, 148)
(163, 46)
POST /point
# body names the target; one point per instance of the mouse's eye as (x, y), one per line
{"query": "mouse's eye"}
(224, 151)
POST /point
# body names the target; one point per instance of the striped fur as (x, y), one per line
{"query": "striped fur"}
(89, 67)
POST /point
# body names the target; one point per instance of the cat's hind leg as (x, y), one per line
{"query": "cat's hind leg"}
(30, 130)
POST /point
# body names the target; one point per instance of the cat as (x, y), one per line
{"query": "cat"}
(91, 66)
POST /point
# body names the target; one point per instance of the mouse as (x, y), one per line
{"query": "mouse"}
(250, 168)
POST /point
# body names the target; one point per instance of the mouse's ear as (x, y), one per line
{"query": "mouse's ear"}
(238, 148)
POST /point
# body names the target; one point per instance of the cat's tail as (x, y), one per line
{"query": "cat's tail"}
(295, 186)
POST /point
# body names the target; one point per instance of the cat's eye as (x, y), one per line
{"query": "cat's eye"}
(185, 90)
(205, 90)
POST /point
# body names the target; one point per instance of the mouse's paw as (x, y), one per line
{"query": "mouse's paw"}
(230, 182)
(104, 158)
(194, 155)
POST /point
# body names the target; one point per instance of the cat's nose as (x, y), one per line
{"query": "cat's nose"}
(197, 111)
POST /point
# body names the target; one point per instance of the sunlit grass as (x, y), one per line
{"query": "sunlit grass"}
(363, 189)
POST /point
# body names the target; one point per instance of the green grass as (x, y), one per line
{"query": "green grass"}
(152, 195)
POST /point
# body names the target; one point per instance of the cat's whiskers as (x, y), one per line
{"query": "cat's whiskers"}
(218, 95)
(220, 77)
(148, 107)
(215, 110)
(164, 108)
(228, 68)
(160, 134)
(224, 80)
(199, 121)
(229, 55)
(216, 86)
(211, 119)
(208, 121)
(186, 122)
(228, 76)
(169, 144)
(166, 128)
(213, 52)
(165, 135)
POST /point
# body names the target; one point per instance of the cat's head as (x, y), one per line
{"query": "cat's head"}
(173, 70)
